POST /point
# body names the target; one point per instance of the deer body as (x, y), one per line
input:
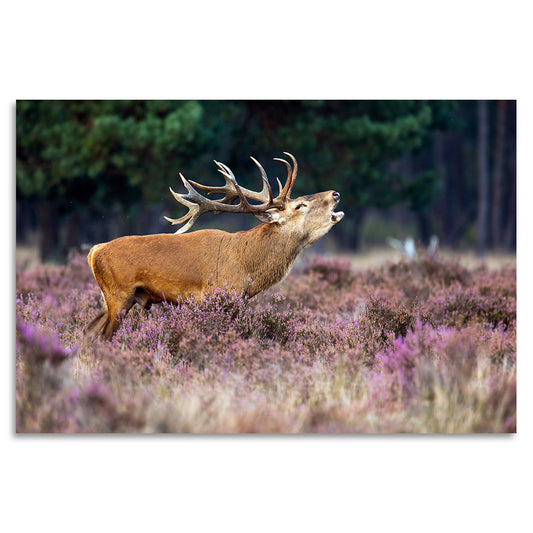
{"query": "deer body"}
(171, 267)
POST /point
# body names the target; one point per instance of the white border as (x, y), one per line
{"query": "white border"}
(383, 50)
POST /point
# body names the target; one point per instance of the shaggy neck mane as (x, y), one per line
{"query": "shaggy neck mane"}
(268, 254)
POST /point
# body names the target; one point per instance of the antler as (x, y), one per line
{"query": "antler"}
(232, 191)
(285, 193)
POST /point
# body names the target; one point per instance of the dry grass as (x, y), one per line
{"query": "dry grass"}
(375, 257)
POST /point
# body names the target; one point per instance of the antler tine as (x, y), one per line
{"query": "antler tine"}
(285, 192)
(194, 208)
(227, 173)
(264, 196)
(183, 229)
(280, 186)
(228, 190)
(294, 172)
(266, 190)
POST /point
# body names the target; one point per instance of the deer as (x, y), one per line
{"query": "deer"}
(173, 267)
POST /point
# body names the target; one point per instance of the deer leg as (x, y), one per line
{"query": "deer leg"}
(115, 312)
(142, 297)
(110, 326)
(96, 326)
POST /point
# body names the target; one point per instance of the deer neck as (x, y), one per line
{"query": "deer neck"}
(267, 254)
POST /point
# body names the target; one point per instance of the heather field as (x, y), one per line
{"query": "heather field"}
(423, 347)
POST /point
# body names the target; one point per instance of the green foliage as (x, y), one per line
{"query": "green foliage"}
(422, 191)
(349, 145)
(49, 147)
(108, 148)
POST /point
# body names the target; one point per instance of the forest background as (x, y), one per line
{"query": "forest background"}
(90, 171)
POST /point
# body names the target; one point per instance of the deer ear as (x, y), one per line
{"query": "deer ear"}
(271, 216)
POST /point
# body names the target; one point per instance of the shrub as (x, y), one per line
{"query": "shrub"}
(336, 273)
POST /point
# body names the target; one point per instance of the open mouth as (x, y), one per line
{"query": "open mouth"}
(337, 216)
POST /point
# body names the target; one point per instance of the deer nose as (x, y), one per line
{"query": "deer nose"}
(336, 195)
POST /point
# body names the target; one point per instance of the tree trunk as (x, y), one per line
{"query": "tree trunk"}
(447, 203)
(424, 227)
(483, 176)
(48, 229)
(72, 239)
(497, 176)
(21, 227)
(510, 219)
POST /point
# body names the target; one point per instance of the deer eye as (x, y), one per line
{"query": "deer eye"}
(300, 205)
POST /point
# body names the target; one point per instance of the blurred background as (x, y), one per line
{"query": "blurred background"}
(91, 171)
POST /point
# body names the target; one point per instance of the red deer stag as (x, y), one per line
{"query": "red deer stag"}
(152, 268)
